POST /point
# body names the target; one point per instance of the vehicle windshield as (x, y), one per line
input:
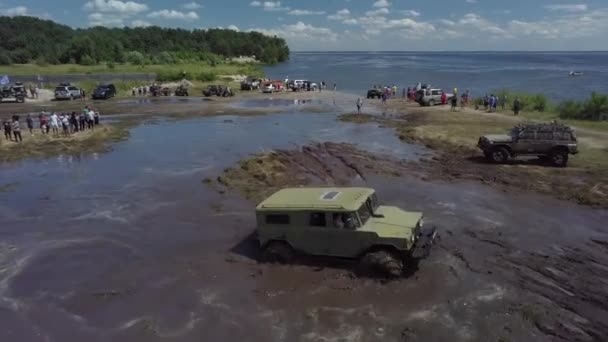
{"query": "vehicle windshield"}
(368, 208)
(60, 89)
(514, 132)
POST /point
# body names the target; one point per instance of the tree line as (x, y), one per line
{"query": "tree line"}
(33, 40)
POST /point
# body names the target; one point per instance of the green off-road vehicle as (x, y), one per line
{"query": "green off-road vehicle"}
(552, 142)
(341, 222)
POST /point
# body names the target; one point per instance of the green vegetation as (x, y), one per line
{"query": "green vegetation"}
(595, 108)
(32, 40)
(45, 145)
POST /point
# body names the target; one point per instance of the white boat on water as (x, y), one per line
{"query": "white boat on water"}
(575, 73)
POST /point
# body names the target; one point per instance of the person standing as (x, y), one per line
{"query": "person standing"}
(139, 91)
(516, 106)
(55, 124)
(384, 97)
(73, 123)
(335, 87)
(96, 117)
(7, 130)
(30, 124)
(65, 124)
(359, 105)
(83, 95)
(454, 102)
(91, 118)
(81, 121)
(503, 101)
(494, 103)
(16, 128)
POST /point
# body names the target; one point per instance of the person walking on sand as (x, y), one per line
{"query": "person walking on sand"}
(30, 124)
(516, 106)
(7, 130)
(359, 105)
(335, 87)
(55, 124)
(16, 128)
(384, 97)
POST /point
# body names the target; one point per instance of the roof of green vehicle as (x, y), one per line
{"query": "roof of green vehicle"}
(334, 199)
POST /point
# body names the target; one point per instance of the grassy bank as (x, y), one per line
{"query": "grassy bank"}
(45, 145)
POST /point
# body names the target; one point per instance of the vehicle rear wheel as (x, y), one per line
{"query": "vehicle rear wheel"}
(500, 155)
(559, 158)
(432, 103)
(278, 252)
(381, 263)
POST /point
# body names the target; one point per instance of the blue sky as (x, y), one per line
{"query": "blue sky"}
(438, 25)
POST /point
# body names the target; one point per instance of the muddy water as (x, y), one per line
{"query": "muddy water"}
(131, 246)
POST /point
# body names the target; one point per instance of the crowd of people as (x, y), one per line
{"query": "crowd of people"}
(57, 124)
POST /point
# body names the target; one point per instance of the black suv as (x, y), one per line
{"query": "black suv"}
(104, 92)
(374, 93)
(217, 90)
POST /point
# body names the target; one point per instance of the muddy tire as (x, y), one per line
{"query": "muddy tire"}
(559, 158)
(431, 103)
(499, 155)
(381, 263)
(278, 252)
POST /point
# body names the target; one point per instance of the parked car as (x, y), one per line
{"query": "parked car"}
(104, 92)
(218, 90)
(341, 222)
(14, 93)
(181, 90)
(552, 142)
(66, 91)
(250, 84)
(431, 97)
(374, 93)
(269, 88)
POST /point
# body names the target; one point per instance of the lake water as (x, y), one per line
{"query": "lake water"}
(480, 72)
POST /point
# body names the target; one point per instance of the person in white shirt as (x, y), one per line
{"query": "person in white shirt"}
(55, 123)
(91, 119)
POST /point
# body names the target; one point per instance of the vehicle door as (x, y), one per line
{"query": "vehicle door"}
(311, 235)
(343, 237)
(74, 91)
(525, 143)
(544, 141)
(436, 95)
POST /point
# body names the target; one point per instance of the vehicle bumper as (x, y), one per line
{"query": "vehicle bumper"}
(426, 240)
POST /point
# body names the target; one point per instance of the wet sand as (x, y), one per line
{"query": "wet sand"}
(135, 245)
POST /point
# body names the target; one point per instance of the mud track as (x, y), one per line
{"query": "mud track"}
(558, 288)
(455, 162)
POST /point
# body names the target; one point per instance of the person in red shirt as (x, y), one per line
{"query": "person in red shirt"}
(444, 99)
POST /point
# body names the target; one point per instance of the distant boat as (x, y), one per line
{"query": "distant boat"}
(575, 73)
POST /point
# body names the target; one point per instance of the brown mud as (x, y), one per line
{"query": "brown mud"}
(538, 284)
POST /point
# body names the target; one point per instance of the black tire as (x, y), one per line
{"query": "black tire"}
(559, 158)
(368, 97)
(431, 103)
(381, 263)
(499, 155)
(278, 252)
(20, 99)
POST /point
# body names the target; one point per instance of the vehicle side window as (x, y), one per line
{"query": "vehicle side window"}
(277, 219)
(317, 220)
(528, 135)
(544, 135)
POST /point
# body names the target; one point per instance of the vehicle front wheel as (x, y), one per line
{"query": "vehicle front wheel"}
(432, 103)
(381, 263)
(559, 158)
(278, 252)
(500, 155)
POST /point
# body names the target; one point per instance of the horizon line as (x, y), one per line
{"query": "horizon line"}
(443, 51)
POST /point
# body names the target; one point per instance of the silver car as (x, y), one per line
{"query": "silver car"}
(67, 93)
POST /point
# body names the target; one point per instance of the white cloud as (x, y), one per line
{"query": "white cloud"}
(378, 12)
(233, 28)
(568, 7)
(350, 21)
(305, 12)
(471, 1)
(301, 33)
(104, 19)
(140, 23)
(173, 14)
(192, 5)
(342, 14)
(382, 3)
(411, 13)
(270, 5)
(14, 11)
(115, 6)
(255, 4)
